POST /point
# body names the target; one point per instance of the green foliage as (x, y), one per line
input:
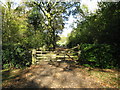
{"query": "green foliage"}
(98, 35)
(26, 28)
(46, 17)
(30, 25)
(15, 56)
(14, 38)
(97, 55)
(104, 23)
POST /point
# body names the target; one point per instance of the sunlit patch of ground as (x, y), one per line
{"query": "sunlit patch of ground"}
(107, 77)
(49, 76)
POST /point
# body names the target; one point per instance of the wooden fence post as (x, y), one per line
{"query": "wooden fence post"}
(41, 55)
(33, 56)
(64, 55)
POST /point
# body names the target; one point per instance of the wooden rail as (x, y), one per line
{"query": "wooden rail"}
(51, 55)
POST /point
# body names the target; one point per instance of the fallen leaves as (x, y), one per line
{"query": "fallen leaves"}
(44, 75)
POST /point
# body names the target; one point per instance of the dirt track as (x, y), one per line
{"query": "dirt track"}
(50, 76)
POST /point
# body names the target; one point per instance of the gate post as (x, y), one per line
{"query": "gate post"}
(64, 55)
(33, 56)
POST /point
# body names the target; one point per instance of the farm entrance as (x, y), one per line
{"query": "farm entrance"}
(55, 56)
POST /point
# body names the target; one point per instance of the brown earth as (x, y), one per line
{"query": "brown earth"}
(49, 75)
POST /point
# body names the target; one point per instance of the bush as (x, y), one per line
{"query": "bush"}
(15, 56)
(97, 55)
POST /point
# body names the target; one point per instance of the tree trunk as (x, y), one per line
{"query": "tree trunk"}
(54, 39)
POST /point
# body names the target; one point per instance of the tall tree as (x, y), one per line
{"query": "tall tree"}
(54, 14)
(98, 33)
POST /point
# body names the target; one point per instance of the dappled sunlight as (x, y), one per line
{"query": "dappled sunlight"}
(36, 53)
(50, 76)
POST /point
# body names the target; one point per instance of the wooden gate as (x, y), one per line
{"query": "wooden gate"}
(38, 56)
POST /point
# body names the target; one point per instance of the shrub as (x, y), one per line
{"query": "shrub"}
(97, 55)
(15, 56)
